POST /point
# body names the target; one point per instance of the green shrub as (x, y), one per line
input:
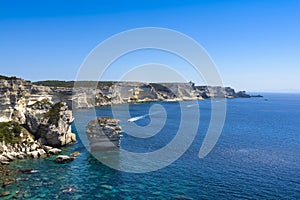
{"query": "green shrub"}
(70, 84)
(8, 78)
(53, 113)
(10, 132)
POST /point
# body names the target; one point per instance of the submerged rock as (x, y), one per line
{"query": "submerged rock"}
(107, 187)
(4, 194)
(19, 194)
(75, 154)
(69, 190)
(29, 171)
(181, 197)
(104, 133)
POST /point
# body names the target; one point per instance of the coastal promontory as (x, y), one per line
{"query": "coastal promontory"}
(30, 123)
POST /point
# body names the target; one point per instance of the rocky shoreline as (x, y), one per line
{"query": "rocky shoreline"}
(34, 149)
(38, 133)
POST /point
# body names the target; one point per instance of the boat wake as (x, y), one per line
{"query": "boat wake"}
(133, 119)
(191, 105)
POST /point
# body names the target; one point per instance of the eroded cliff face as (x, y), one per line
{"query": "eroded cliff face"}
(16, 94)
(31, 106)
(132, 92)
(128, 92)
(51, 125)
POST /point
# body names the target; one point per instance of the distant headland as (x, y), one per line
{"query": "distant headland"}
(89, 94)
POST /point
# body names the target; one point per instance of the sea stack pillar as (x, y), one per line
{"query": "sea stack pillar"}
(104, 133)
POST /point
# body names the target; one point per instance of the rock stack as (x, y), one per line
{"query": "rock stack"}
(104, 133)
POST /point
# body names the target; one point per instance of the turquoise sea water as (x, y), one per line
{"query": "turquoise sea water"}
(256, 157)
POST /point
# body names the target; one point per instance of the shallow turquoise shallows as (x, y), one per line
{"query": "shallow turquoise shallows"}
(256, 157)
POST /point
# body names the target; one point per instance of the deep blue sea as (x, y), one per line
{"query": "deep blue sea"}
(256, 157)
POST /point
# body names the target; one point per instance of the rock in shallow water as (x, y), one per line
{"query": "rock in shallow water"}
(4, 163)
(4, 194)
(29, 171)
(63, 159)
(19, 194)
(104, 133)
(70, 190)
(75, 154)
(54, 151)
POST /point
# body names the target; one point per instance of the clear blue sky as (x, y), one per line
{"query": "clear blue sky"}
(255, 44)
